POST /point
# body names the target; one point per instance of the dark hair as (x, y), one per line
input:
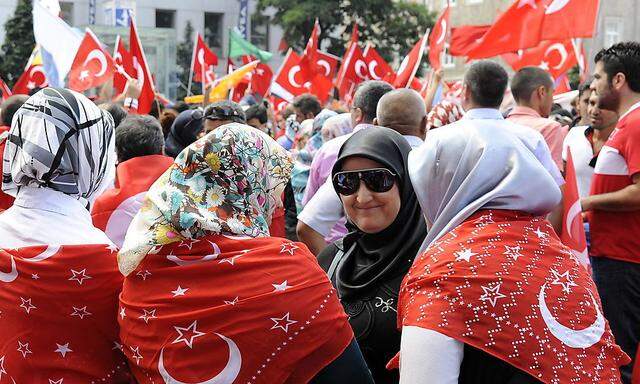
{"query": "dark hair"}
(307, 103)
(622, 58)
(116, 111)
(527, 80)
(184, 131)
(156, 109)
(585, 86)
(487, 82)
(257, 111)
(225, 110)
(166, 120)
(9, 107)
(138, 135)
(367, 96)
(180, 106)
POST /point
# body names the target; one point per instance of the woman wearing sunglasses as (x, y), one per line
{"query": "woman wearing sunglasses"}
(386, 230)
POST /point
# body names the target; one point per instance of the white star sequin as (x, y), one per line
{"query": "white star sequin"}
(63, 349)
(564, 280)
(190, 331)
(79, 276)
(143, 274)
(148, 315)
(188, 243)
(283, 322)
(116, 345)
(512, 251)
(26, 304)
(289, 248)
(23, 348)
(80, 312)
(179, 291)
(112, 248)
(281, 287)
(492, 294)
(59, 381)
(232, 302)
(2, 370)
(136, 354)
(465, 255)
(230, 260)
(122, 313)
(540, 234)
(35, 276)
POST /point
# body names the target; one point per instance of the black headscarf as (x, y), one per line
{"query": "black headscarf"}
(184, 131)
(389, 253)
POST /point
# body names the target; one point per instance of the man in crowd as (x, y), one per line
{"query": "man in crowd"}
(257, 117)
(221, 113)
(402, 110)
(614, 205)
(584, 91)
(532, 89)
(363, 112)
(306, 106)
(141, 160)
(8, 108)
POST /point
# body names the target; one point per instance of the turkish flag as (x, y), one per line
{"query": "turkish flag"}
(517, 28)
(33, 77)
(143, 75)
(310, 56)
(124, 64)
(377, 67)
(6, 92)
(410, 64)
(92, 66)
(278, 103)
(437, 39)
(465, 37)
(237, 93)
(565, 19)
(260, 78)
(203, 61)
(288, 81)
(352, 72)
(573, 235)
(554, 56)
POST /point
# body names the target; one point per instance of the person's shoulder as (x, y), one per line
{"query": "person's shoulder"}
(326, 256)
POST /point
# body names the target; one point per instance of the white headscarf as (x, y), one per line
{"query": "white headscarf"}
(461, 169)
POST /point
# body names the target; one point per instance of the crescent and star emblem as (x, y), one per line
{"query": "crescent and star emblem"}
(292, 76)
(561, 50)
(179, 261)
(372, 70)
(360, 69)
(324, 64)
(13, 274)
(97, 54)
(443, 25)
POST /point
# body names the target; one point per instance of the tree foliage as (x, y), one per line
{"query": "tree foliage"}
(391, 26)
(18, 42)
(184, 54)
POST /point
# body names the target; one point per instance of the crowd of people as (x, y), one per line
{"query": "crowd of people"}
(384, 241)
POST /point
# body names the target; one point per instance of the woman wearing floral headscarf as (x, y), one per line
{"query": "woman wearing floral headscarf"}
(59, 281)
(208, 294)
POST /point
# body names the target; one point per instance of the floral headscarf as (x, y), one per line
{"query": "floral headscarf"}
(444, 113)
(229, 182)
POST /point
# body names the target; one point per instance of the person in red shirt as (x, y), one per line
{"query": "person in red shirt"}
(8, 108)
(613, 206)
(141, 160)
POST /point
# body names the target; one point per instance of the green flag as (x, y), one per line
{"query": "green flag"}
(239, 46)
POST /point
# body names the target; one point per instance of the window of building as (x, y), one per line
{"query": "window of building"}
(165, 18)
(66, 12)
(613, 30)
(260, 32)
(446, 58)
(213, 29)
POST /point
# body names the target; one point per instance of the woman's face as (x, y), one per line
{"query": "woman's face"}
(370, 211)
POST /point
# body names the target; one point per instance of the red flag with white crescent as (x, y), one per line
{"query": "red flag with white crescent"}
(289, 82)
(377, 67)
(203, 61)
(353, 71)
(438, 39)
(143, 75)
(410, 64)
(573, 235)
(556, 57)
(260, 79)
(465, 37)
(92, 66)
(33, 77)
(566, 19)
(124, 64)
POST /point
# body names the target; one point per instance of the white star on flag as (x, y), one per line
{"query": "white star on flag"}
(59, 381)
(531, 3)
(289, 248)
(23, 348)
(136, 354)
(540, 234)
(465, 255)
(232, 302)
(116, 345)
(148, 315)
(80, 312)
(31, 85)
(188, 243)
(512, 252)
(35, 276)
(122, 313)
(2, 367)
(230, 260)
(79, 276)
(63, 349)
(544, 65)
(26, 304)
(285, 319)
(281, 287)
(84, 74)
(564, 280)
(143, 274)
(112, 248)
(179, 291)
(191, 329)
(492, 294)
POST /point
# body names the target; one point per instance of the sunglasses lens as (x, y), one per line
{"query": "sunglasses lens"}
(378, 180)
(346, 183)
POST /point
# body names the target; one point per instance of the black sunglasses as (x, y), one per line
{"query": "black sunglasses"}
(377, 180)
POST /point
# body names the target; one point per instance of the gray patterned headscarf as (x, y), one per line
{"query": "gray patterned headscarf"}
(61, 140)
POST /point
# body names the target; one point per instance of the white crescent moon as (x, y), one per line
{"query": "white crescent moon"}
(372, 72)
(574, 211)
(443, 25)
(358, 68)
(403, 65)
(139, 72)
(325, 65)
(181, 262)
(97, 54)
(11, 276)
(237, 237)
(118, 58)
(583, 338)
(561, 50)
(556, 6)
(201, 56)
(50, 251)
(227, 376)
(292, 76)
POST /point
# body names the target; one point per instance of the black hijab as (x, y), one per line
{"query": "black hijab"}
(389, 253)
(184, 131)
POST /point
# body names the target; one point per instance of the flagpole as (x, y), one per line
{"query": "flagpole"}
(193, 56)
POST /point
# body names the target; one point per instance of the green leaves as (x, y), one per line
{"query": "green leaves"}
(18, 42)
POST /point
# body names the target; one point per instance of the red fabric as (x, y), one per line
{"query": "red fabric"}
(123, 59)
(615, 234)
(353, 71)
(288, 77)
(6, 92)
(517, 28)
(203, 61)
(377, 67)
(636, 369)
(573, 235)
(437, 39)
(58, 315)
(278, 103)
(92, 66)
(503, 282)
(147, 93)
(133, 177)
(555, 56)
(465, 37)
(260, 78)
(574, 18)
(410, 64)
(267, 297)
(562, 85)
(6, 201)
(277, 227)
(32, 77)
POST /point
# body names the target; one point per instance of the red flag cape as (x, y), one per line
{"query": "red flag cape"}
(262, 305)
(554, 56)
(92, 66)
(113, 211)
(58, 308)
(503, 282)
